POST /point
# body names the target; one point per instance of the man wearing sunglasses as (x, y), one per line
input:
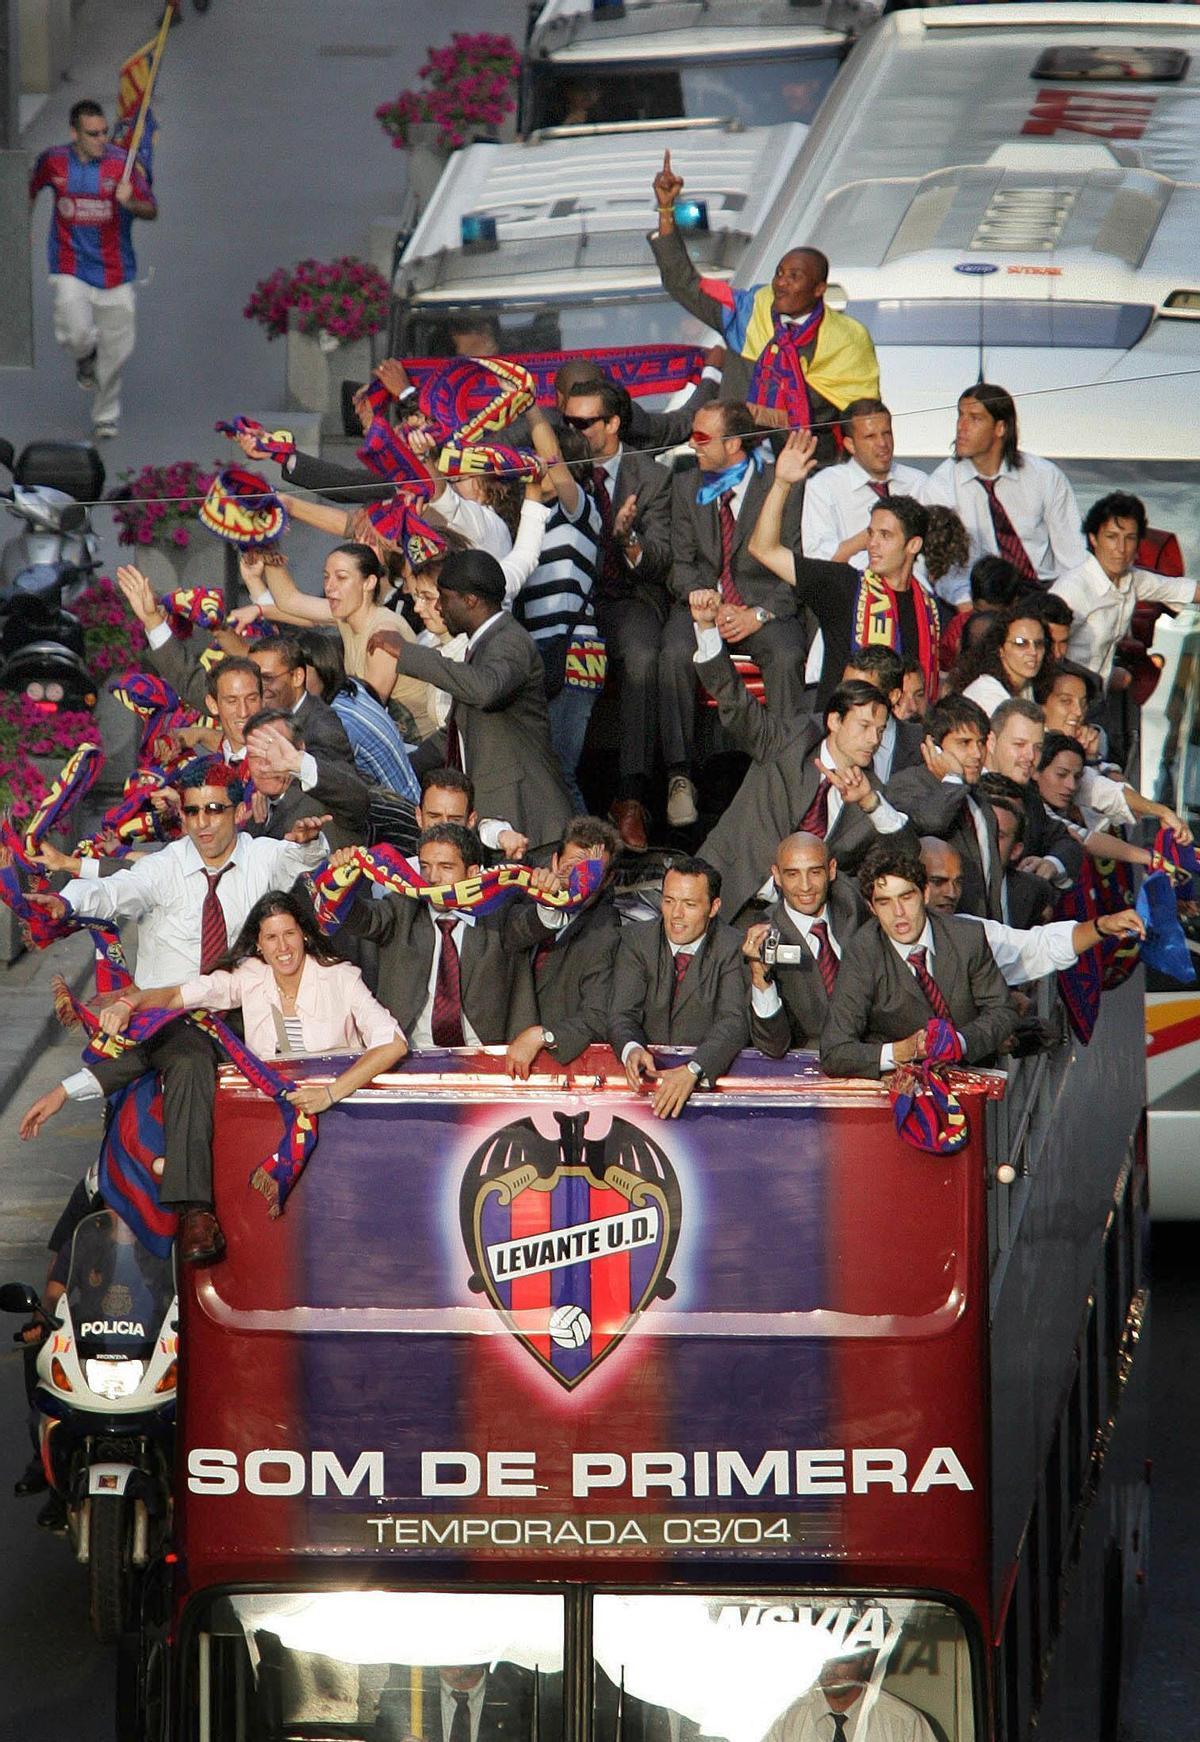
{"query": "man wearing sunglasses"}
(713, 513)
(92, 265)
(634, 495)
(190, 902)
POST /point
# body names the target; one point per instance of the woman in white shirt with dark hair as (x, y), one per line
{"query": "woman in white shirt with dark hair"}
(295, 996)
(1005, 661)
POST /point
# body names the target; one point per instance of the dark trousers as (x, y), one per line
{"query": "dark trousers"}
(777, 649)
(631, 629)
(186, 1060)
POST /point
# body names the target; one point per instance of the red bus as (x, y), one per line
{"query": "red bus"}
(533, 1417)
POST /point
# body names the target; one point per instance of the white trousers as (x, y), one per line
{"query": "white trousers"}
(86, 320)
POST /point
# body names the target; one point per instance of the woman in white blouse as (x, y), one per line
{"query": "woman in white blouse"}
(295, 997)
(1004, 662)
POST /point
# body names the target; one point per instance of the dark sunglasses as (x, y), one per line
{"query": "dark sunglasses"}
(205, 810)
(581, 423)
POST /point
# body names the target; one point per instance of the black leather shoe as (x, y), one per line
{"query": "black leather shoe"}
(53, 1515)
(200, 1240)
(32, 1480)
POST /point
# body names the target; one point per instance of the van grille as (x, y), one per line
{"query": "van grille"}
(1024, 219)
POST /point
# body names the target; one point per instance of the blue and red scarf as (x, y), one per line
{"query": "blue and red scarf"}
(73, 782)
(926, 1111)
(876, 623)
(640, 369)
(333, 888)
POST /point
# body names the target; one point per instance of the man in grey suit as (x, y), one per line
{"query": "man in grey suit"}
(806, 774)
(818, 912)
(900, 746)
(284, 672)
(634, 494)
(499, 726)
(681, 982)
(905, 967)
(448, 978)
(940, 795)
(713, 513)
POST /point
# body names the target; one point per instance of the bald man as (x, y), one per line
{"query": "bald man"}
(1021, 956)
(816, 911)
(796, 362)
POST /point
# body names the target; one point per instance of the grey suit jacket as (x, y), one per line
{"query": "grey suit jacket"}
(1047, 837)
(709, 1012)
(939, 807)
(805, 1004)
(322, 731)
(779, 787)
(696, 542)
(497, 985)
(179, 665)
(638, 475)
(573, 988)
(339, 794)
(353, 485)
(1030, 899)
(877, 997)
(504, 725)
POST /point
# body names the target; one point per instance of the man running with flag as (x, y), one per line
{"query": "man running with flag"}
(99, 189)
(796, 362)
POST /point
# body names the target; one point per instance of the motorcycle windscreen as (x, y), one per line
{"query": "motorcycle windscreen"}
(119, 1293)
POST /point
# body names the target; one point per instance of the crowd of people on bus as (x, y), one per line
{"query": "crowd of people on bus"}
(921, 676)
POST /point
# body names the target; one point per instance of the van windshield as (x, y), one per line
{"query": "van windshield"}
(759, 91)
(1104, 326)
(509, 328)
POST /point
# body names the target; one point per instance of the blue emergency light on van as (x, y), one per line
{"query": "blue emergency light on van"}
(691, 214)
(478, 230)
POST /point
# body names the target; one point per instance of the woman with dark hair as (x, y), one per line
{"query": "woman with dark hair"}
(994, 584)
(295, 997)
(947, 551)
(1006, 661)
(355, 578)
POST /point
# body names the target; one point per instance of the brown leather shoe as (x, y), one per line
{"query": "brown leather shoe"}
(631, 819)
(200, 1240)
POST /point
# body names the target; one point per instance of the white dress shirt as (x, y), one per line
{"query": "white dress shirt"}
(883, 758)
(1037, 499)
(475, 1699)
(1023, 955)
(422, 1034)
(765, 999)
(838, 501)
(1104, 609)
(1104, 798)
(876, 1716)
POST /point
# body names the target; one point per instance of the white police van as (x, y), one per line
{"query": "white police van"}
(1012, 191)
(543, 245)
(604, 62)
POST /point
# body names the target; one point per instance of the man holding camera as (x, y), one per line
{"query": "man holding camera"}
(795, 952)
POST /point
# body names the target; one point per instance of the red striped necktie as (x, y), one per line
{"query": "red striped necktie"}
(882, 489)
(611, 573)
(214, 936)
(681, 964)
(827, 962)
(928, 985)
(815, 820)
(728, 526)
(446, 1026)
(1008, 539)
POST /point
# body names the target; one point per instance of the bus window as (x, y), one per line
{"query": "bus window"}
(1105, 326)
(436, 330)
(380, 1664)
(757, 91)
(761, 92)
(774, 1668)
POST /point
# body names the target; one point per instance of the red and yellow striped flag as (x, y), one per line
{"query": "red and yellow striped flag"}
(133, 79)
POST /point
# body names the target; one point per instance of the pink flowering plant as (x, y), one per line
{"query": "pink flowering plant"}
(162, 504)
(113, 640)
(25, 733)
(345, 298)
(470, 86)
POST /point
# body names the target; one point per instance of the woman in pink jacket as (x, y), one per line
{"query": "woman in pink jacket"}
(295, 997)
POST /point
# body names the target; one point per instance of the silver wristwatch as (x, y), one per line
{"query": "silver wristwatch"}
(696, 1068)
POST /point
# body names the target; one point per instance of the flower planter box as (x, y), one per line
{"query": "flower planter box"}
(316, 368)
(167, 567)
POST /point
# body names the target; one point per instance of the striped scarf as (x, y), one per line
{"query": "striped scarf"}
(332, 888)
(877, 624)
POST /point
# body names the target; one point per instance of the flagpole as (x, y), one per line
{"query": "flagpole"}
(160, 43)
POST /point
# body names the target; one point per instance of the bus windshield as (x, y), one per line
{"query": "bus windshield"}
(1105, 326)
(757, 92)
(664, 1668)
(773, 1668)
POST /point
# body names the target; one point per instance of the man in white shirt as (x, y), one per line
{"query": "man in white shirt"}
(845, 1707)
(1104, 589)
(1021, 954)
(1013, 504)
(838, 499)
(191, 901)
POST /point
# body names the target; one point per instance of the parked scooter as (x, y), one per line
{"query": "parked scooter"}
(44, 568)
(105, 1397)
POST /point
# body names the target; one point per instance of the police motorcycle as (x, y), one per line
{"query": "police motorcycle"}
(44, 567)
(105, 1398)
